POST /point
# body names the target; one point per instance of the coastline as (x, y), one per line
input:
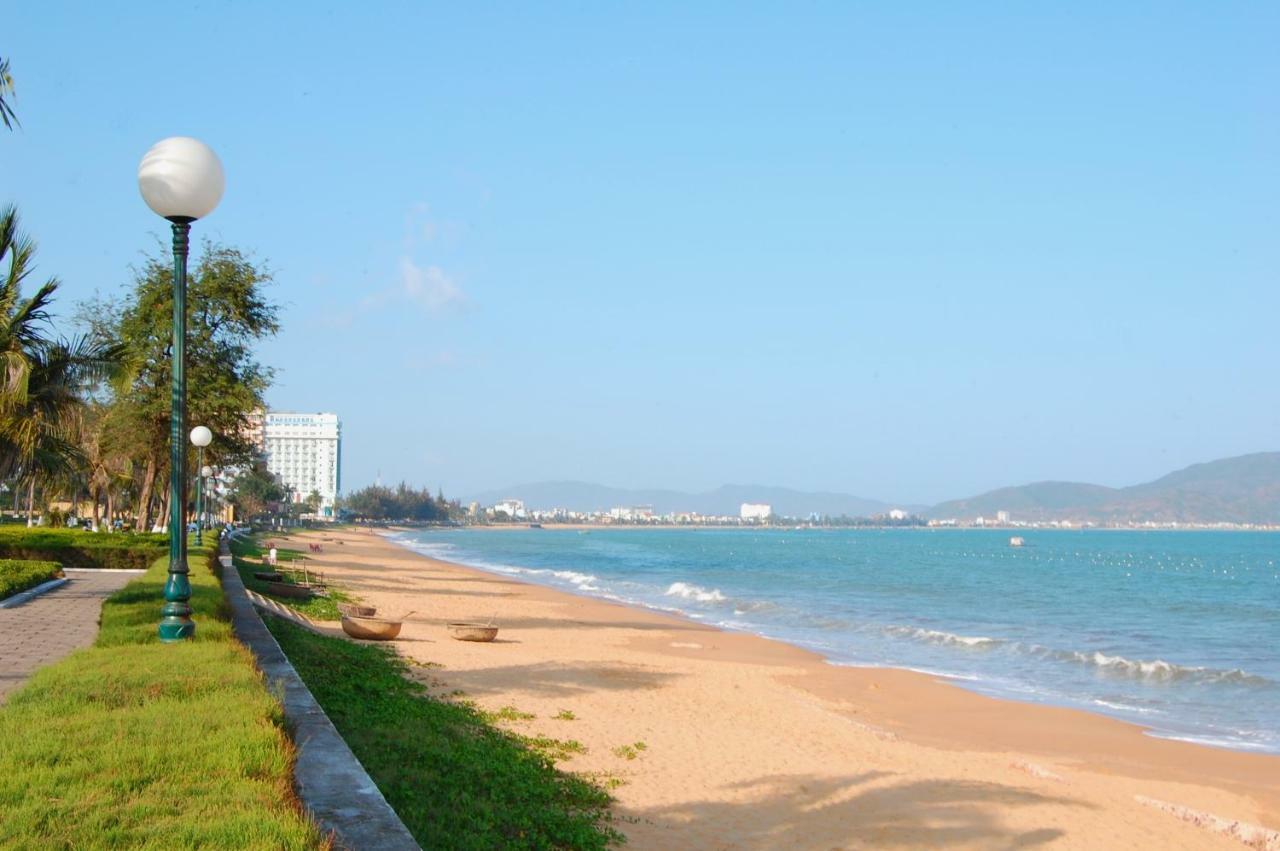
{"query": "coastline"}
(750, 741)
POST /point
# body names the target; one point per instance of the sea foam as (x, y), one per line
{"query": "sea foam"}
(689, 591)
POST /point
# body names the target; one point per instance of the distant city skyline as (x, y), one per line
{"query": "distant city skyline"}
(911, 254)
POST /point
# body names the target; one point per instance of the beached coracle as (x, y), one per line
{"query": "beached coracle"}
(473, 631)
(371, 629)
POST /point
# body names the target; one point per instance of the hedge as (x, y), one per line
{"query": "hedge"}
(75, 548)
(16, 576)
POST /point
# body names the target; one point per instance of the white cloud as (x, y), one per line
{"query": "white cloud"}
(429, 287)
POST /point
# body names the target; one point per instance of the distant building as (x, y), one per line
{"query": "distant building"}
(755, 511)
(897, 514)
(632, 513)
(513, 508)
(305, 451)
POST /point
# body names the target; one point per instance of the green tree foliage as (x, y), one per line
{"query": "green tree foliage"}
(227, 312)
(402, 502)
(42, 433)
(6, 94)
(23, 322)
(44, 381)
(255, 490)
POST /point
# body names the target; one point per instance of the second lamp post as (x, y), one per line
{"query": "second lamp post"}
(200, 438)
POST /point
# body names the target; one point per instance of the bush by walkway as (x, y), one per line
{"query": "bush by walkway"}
(16, 576)
(79, 548)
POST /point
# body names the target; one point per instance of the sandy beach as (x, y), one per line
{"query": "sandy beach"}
(749, 743)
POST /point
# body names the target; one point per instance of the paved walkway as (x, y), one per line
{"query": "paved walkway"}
(41, 631)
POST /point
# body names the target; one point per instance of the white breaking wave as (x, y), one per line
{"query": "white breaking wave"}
(949, 639)
(1124, 707)
(1161, 671)
(689, 591)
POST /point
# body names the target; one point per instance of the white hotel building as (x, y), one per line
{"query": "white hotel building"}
(305, 451)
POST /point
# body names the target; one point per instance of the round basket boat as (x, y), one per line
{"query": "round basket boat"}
(355, 610)
(370, 629)
(473, 631)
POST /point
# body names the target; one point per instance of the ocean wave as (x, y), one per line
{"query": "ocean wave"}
(689, 591)
(948, 639)
(1125, 707)
(1156, 670)
(585, 581)
(753, 606)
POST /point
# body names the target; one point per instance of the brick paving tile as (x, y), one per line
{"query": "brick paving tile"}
(41, 631)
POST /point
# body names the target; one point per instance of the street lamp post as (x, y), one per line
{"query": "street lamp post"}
(206, 474)
(200, 438)
(180, 179)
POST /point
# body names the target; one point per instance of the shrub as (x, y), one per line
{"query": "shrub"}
(76, 548)
(16, 576)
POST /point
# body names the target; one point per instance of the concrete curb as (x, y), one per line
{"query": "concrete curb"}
(31, 593)
(333, 785)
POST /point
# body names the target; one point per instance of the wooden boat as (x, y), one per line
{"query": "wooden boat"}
(371, 629)
(291, 591)
(268, 575)
(473, 631)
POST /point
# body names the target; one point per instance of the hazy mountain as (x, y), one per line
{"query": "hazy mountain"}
(726, 499)
(1245, 489)
(1036, 501)
(1235, 490)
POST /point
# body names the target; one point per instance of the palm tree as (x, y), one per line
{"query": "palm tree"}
(42, 433)
(6, 88)
(21, 321)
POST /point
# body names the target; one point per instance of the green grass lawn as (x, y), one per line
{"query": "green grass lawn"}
(136, 744)
(17, 576)
(455, 779)
(247, 556)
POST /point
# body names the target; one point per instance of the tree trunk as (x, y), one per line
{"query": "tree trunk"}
(162, 519)
(94, 494)
(111, 510)
(31, 500)
(142, 520)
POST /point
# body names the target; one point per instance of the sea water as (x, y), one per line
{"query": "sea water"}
(1177, 631)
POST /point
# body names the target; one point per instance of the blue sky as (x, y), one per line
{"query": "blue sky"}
(908, 251)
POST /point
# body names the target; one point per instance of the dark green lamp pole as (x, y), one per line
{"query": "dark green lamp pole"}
(181, 179)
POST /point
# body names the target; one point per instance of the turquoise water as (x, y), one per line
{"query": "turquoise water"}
(1177, 631)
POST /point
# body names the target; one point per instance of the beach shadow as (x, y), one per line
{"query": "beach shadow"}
(806, 811)
(552, 680)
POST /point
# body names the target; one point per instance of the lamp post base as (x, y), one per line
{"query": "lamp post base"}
(176, 623)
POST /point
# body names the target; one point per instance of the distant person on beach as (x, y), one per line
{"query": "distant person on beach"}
(271, 556)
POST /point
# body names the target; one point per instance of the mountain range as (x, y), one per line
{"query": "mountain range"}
(1244, 489)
